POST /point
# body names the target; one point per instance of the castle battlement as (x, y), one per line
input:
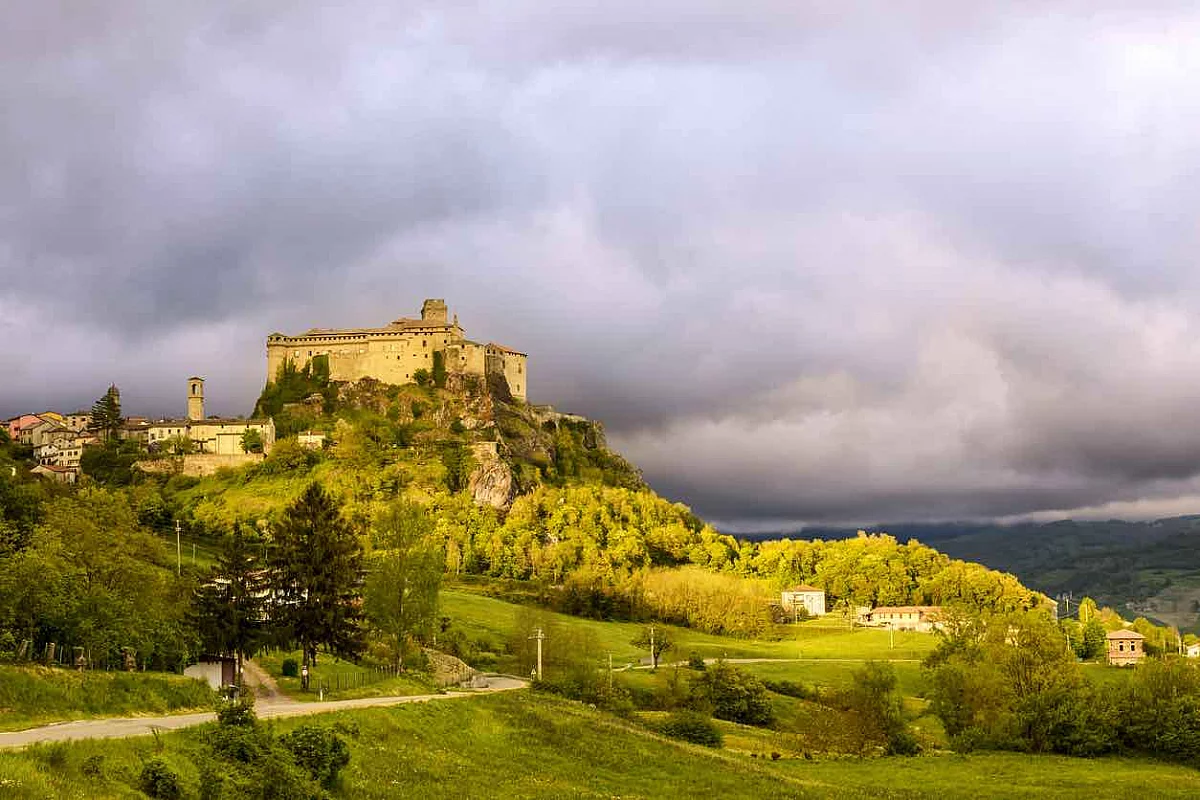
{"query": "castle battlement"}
(393, 353)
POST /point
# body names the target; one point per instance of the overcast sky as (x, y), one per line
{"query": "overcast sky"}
(910, 261)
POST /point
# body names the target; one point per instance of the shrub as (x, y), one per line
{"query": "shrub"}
(319, 750)
(238, 711)
(694, 727)
(159, 781)
(697, 663)
(733, 695)
(291, 668)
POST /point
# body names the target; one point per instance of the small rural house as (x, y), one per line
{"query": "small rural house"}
(1125, 648)
(1193, 650)
(924, 619)
(217, 671)
(809, 598)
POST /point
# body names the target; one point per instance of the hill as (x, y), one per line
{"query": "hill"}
(1140, 568)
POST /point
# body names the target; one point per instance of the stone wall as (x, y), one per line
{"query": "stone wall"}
(198, 465)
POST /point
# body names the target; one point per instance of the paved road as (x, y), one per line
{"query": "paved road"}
(121, 727)
(773, 661)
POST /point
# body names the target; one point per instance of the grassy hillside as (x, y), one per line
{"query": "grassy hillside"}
(529, 746)
(1147, 568)
(32, 696)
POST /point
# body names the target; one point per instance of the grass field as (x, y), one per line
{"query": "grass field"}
(492, 621)
(32, 696)
(524, 745)
(341, 680)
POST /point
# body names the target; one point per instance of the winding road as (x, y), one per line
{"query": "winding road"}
(121, 727)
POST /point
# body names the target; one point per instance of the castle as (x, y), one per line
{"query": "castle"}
(394, 353)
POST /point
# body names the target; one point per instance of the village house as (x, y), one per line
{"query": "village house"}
(311, 440)
(61, 474)
(810, 599)
(1125, 648)
(924, 619)
(1193, 650)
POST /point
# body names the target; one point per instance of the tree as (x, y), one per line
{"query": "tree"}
(401, 598)
(229, 609)
(458, 464)
(733, 695)
(106, 414)
(873, 698)
(252, 441)
(316, 563)
(439, 369)
(655, 640)
(1095, 640)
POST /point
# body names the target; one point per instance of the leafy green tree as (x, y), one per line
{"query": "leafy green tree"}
(106, 414)
(438, 375)
(110, 464)
(458, 463)
(733, 695)
(421, 377)
(252, 441)
(876, 703)
(1095, 641)
(178, 445)
(316, 565)
(657, 644)
(401, 597)
(229, 610)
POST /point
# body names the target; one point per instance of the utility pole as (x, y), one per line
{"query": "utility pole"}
(178, 551)
(540, 635)
(610, 673)
(653, 658)
(891, 637)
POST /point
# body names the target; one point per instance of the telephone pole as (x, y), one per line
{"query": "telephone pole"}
(540, 635)
(653, 658)
(178, 551)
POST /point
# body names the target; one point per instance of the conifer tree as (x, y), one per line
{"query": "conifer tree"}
(316, 566)
(106, 414)
(229, 610)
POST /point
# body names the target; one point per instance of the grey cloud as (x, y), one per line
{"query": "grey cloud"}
(921, 260)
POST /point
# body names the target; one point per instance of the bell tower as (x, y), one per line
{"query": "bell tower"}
(195, 398)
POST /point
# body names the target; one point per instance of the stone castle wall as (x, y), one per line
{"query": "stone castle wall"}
(393, 354)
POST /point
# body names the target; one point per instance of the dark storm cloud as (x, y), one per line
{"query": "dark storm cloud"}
(920, 260)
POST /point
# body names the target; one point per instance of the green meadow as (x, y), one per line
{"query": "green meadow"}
(525, 745)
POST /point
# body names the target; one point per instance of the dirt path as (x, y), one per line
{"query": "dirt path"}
(663, 664)
(265, 688)
(122, 727)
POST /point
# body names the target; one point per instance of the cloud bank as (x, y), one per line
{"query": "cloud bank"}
(909, 261)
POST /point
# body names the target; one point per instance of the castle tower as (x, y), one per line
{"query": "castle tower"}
(434, 310)
(195, 398)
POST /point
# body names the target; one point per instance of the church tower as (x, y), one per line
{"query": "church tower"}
(195, 398)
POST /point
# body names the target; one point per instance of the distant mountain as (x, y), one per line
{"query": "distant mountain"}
(1142, 568)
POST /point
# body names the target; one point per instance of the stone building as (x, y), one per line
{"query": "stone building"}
(394, 353)
(215, 435)
(1125, 648)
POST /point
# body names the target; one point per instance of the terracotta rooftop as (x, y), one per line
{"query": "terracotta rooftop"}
(804, 587)
(906, 610)
(1125, 633)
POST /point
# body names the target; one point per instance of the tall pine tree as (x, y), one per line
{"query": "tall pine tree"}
(230, 608)
(316, 566)
(106, 414)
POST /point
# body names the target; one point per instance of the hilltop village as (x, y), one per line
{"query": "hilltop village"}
(405, 351)
(395, 518)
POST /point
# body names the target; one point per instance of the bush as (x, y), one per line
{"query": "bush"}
(319, 750)
(238, 711)
(792, 689)
(697, 663)
(733, 695)
(694, 727)
(159, 781)
(291, 668)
